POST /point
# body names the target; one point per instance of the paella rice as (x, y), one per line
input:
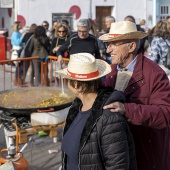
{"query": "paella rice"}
(34, 98)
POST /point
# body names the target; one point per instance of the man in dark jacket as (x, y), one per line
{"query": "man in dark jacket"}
(80, 42)
(147, 90)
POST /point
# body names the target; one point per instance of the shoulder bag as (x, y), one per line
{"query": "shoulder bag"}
(22, 55)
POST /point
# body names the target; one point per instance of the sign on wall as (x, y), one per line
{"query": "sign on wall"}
(6, 3)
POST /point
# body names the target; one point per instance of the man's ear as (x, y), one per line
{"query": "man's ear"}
(132, 47)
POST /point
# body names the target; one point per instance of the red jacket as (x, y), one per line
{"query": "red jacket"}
(148, 111)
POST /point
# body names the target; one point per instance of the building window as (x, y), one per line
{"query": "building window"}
(164, 11)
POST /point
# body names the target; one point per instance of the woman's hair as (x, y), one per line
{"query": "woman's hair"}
(162, 29)
(39, 32)
(32, 28)
(65, 28)
(87, 86)
(16, 26)
(92, 27)
(83, 23)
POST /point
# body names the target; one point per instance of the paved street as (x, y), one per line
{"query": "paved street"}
(37, 151)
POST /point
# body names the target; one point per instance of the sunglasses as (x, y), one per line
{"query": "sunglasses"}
(61, 31)
(45, 25)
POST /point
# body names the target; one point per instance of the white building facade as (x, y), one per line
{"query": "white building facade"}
(36, 11)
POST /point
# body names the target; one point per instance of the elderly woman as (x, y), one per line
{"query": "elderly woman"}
(94, 138)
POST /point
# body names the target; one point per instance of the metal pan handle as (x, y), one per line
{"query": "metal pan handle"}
(48, 110)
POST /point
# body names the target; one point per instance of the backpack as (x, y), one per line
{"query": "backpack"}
(167, 60)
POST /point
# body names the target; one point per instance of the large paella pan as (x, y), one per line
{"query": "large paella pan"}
(28, 100)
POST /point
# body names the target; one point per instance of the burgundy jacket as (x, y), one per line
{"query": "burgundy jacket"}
(148, 113)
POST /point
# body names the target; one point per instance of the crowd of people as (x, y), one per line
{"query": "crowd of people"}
(121, 114)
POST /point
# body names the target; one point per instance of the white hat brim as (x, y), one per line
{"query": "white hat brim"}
(127, 36)
(103, 67)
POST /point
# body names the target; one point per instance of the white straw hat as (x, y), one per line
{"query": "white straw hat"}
(84, 67)
(124, 30)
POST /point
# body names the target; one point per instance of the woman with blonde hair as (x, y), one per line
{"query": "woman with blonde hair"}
(16, 39)
(16, 42)
(62, 33)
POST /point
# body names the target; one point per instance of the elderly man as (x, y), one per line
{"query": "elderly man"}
(143, 40)
(108, 21)
(80, 42)
(147, 90)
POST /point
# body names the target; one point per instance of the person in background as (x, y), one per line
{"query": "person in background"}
(94, 138)
(142, 41)
(93, 28)
(40, 46)
(108, 21)
(147, 90)
(62, 33)
(27, 39)
(16, 42)
(16, 39)
(45, 24)
(143, 24)
(148, 41)
(55, 23)
(160, 42)
(64, 21)
(93, 31)
(81, 41)
(168, 18)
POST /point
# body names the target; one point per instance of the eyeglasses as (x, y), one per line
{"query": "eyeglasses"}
(115, 44)
(83, 32)
(61, 31)
(45, 25)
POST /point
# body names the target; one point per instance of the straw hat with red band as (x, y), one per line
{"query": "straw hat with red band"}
(124, 30)
(84, 67)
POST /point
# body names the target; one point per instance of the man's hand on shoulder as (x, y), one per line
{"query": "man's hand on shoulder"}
(116, 107)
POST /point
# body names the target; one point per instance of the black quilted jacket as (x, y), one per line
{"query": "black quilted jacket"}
(106, 142)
